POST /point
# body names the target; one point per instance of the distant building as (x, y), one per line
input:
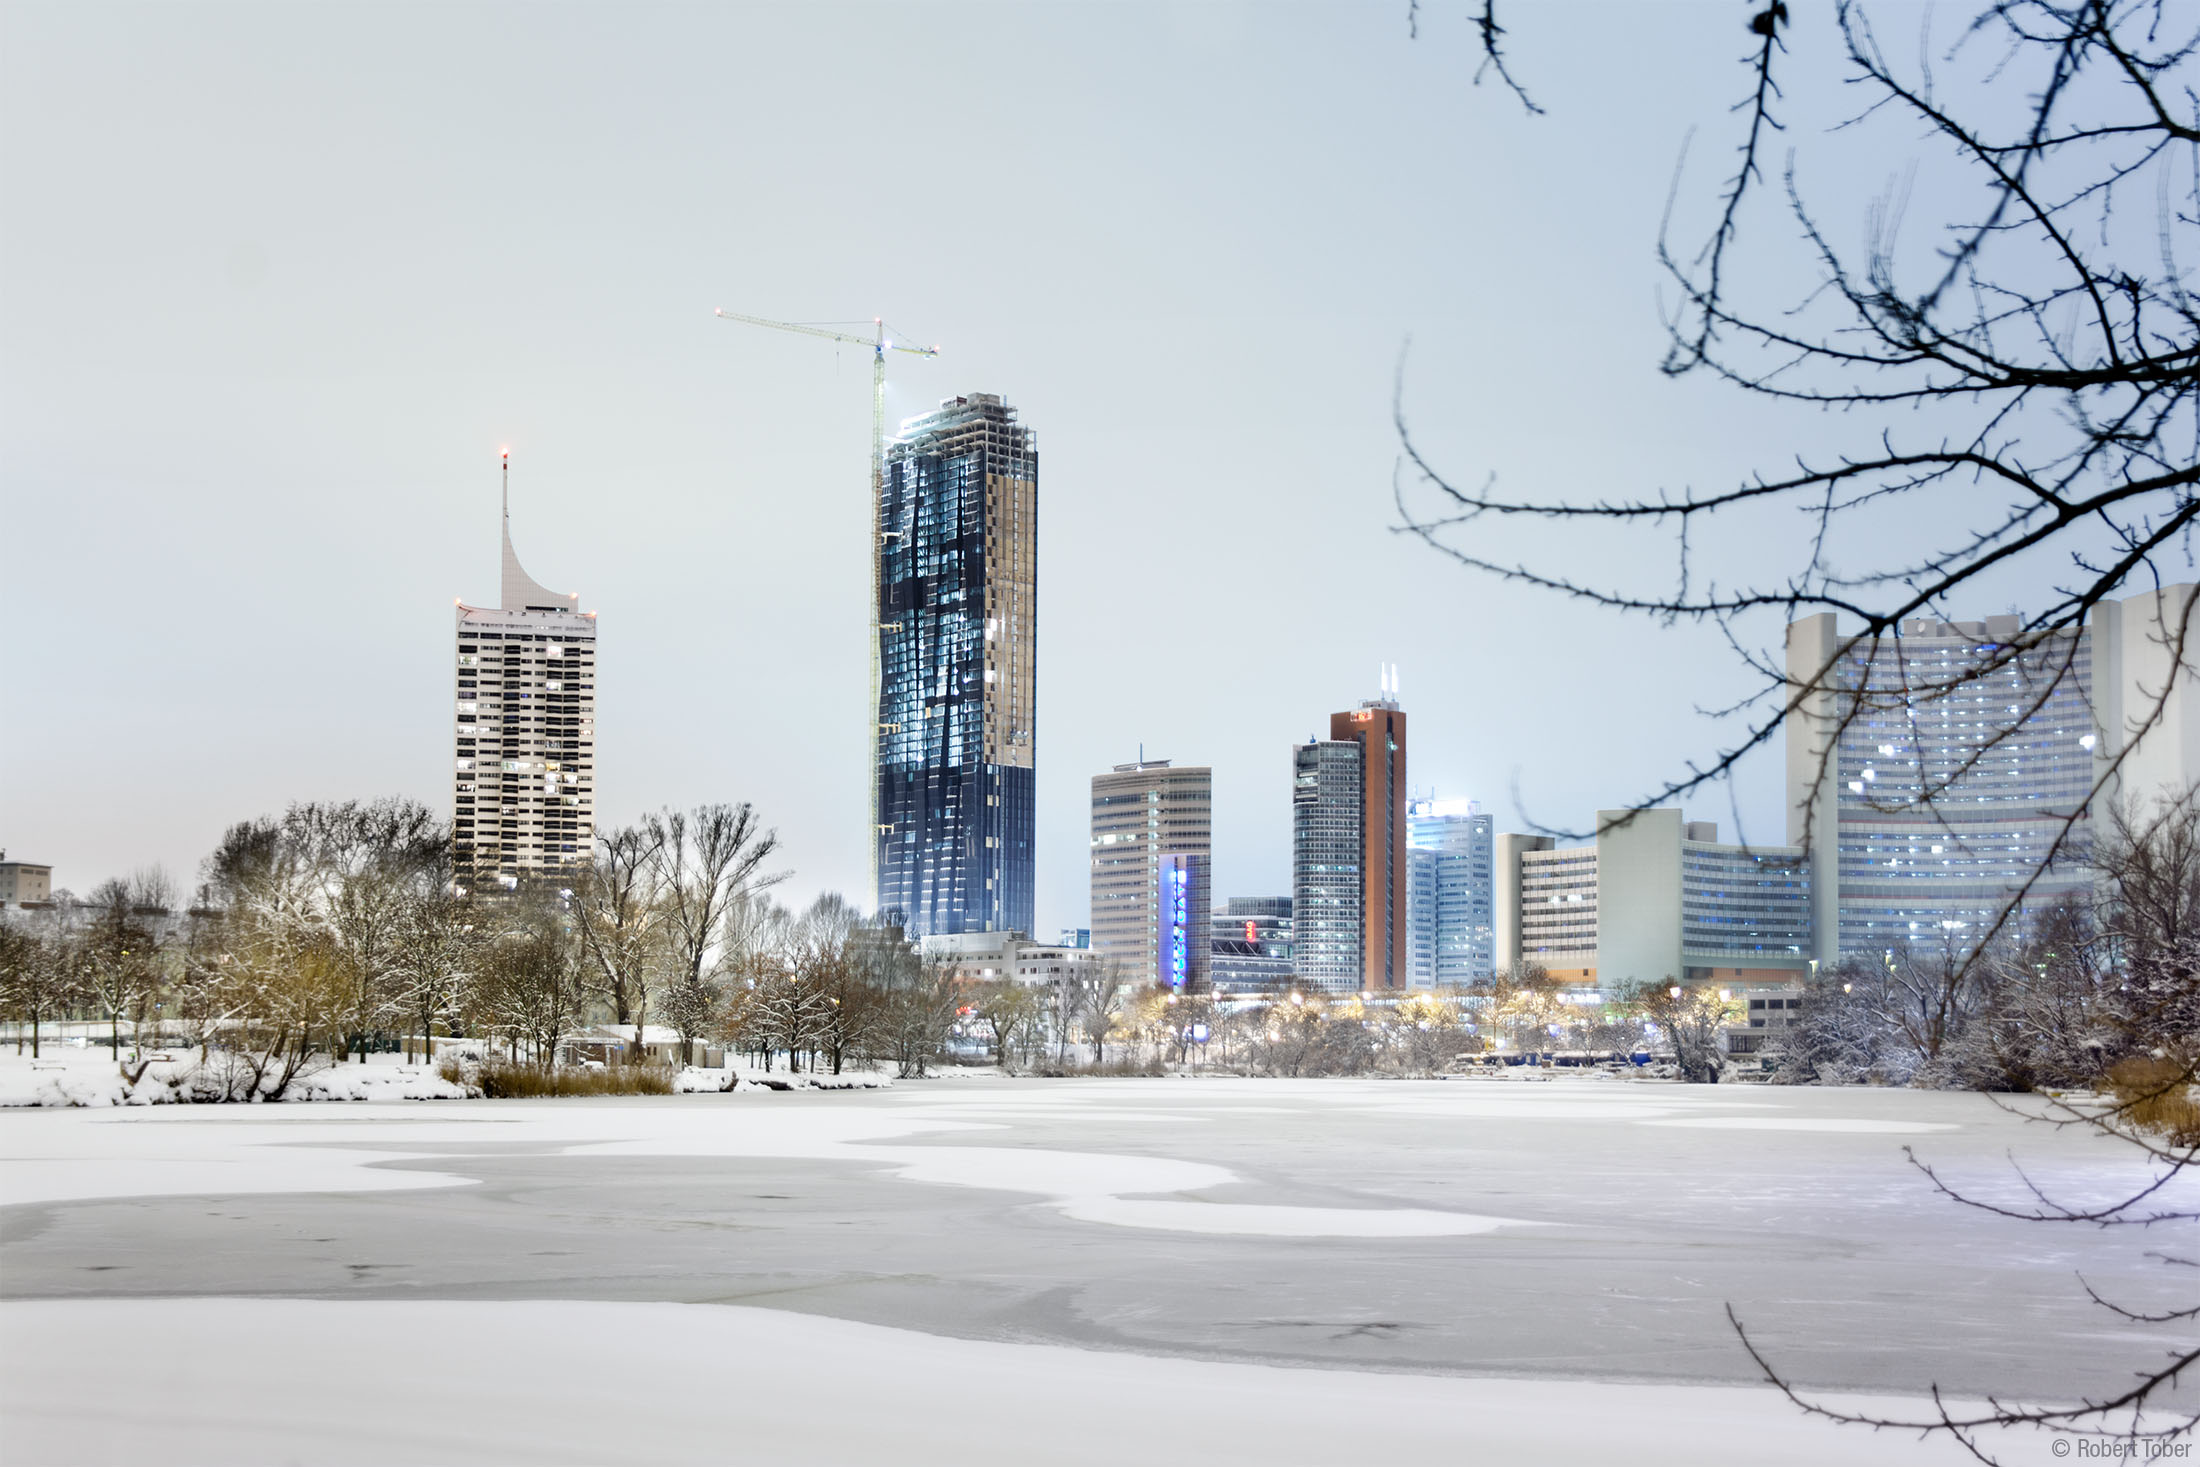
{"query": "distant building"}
(1450, 875)
(1152, 842)
(958, 623)
(21, 882)
(1077, 937)
(524, 796)
(1927, 710)
(1349, 851)
(1327, 897)
(1656, 899)
(986, 957)
(1770, 1014)
(1251, 950)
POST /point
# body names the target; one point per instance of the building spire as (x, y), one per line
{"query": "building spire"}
(523, 592)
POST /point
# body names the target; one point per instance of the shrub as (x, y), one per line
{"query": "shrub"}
(2156, 1094)
(502, 1079)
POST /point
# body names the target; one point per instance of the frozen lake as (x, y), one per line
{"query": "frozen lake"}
(1511, 1256)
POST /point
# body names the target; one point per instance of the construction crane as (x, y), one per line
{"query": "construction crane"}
(880, 344)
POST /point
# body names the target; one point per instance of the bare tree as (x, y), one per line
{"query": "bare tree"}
(435, 949)
(2018, 353)
(920, 1002)
(827, 957)
(1100, 1007)
(531, 984)
(370, 860)
(40, 975)
(2029, 374)
(712, 858)
(118, 955)
(1692, 1019)
(620, 906)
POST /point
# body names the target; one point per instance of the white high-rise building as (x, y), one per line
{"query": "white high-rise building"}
(524, 795)
(1152, 839)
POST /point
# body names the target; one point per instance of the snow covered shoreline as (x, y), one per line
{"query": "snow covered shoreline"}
(68, 1077)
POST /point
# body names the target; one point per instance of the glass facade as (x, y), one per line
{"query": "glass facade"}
(1742, 906)
(1450, 886)
(958, 539)
(1958, 768)
(1327, 896)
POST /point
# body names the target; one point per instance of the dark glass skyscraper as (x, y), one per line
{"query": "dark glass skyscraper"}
(958, 581)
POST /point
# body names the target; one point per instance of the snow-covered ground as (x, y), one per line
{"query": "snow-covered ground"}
(1036, 1271)
(253, 1381)
(87, 1077)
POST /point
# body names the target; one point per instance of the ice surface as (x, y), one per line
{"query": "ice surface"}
(246, 1382)
(1144, 1239)
(1849, 1125)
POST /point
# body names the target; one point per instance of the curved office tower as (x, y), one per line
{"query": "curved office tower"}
(1949, 771)
(958, 618)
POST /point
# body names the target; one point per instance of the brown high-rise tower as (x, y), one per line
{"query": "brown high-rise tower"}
(1379, 728)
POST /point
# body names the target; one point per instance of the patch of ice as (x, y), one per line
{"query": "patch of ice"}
(1807, 1123)
(1280, 1222)
(366, 1383)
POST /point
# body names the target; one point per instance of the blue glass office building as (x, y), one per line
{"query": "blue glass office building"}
(958, 550)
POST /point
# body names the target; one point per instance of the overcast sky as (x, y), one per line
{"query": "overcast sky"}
(278, 282)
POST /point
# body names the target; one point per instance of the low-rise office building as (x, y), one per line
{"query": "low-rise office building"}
(1656, 898)
(21, 883)
(987, 957)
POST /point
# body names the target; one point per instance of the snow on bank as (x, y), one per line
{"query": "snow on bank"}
(88, 1078)
(391, 1382)
(695, 1080)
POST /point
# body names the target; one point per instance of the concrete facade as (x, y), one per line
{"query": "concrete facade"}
(1151, 850)
(1935, 773)
(986, 957)
(1658, 898)
(523, 803)
(21, 882)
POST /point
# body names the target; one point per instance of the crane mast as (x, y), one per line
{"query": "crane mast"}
(880, 344)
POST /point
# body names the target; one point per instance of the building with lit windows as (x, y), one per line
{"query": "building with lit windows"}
(1655, 899)
(1939, 772)
(958, 622)
(1251, 950)
(1152, 842)
(1450, 870)
(1348, 858)
(1327, 898)
(523, 805)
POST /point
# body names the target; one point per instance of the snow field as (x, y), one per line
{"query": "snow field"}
(247, 1382)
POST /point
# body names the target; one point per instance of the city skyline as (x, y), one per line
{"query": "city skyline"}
(1217, 396)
